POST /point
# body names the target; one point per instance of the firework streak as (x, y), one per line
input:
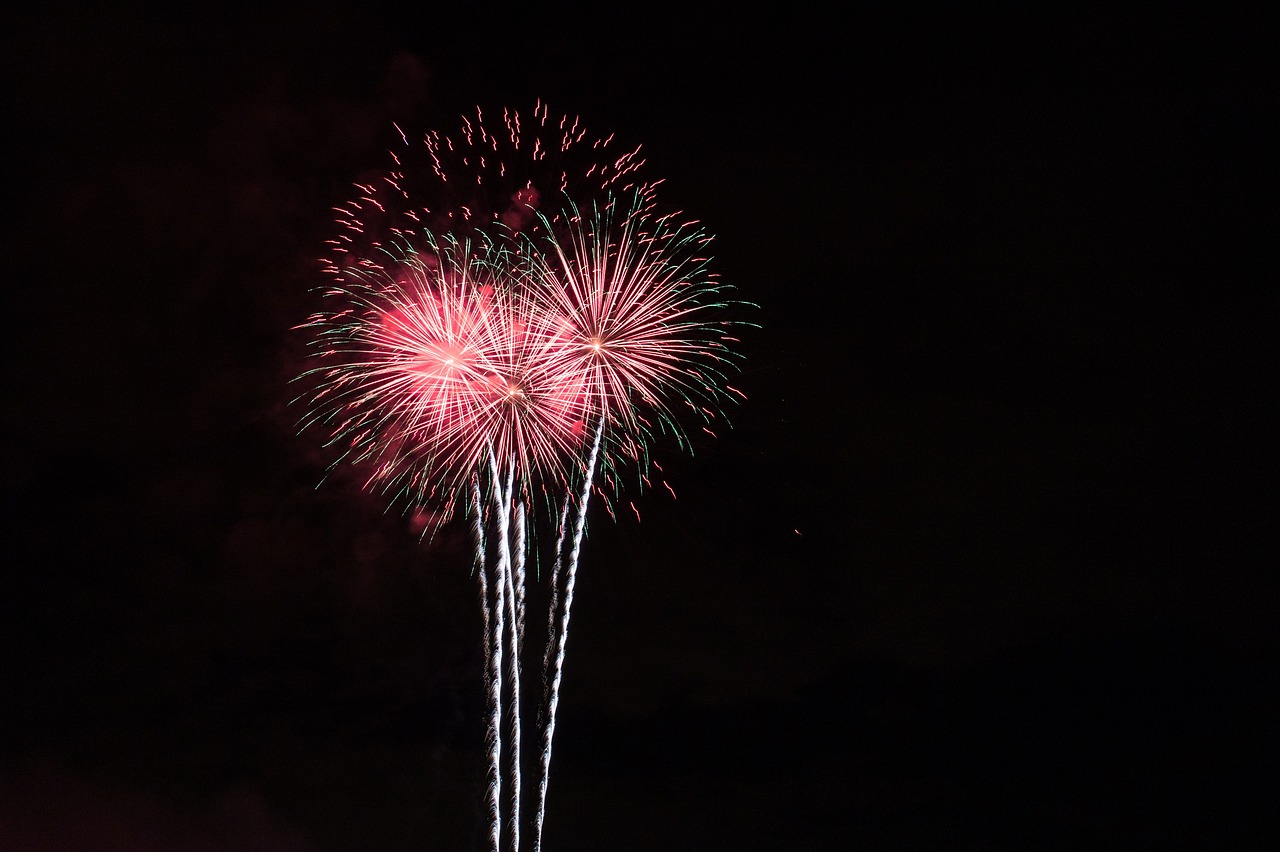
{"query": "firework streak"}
(509, 324)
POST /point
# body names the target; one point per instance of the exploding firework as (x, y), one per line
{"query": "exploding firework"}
(431, 362)
(506, 319)
(638, 311)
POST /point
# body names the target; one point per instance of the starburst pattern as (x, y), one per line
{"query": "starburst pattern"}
(640, 312)
(433, 363)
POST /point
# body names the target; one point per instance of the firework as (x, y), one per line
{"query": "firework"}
(636, 310)
(508, 317)
(432, 363)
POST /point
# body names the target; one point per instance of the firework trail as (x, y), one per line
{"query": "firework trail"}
(503, 511)
(553, 606)
(492, 683)
(495, 293)
(520, 551)
(562, 635)
(494, 606)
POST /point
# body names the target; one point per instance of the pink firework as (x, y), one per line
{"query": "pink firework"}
(638, 312)
(435, 359)
(434, 362)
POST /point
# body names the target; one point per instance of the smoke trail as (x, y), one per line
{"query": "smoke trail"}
(515, 613)
(493, 674)
(554, 606)
(513, 698)
(477, 532)
(549, 732)
(507, 601)
(521, 547)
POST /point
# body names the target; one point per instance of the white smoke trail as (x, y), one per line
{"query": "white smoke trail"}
(513, 698)
(493, 674)
(554, 605)
(521, 548)
(515, 614)
(507, 602)
(549, 731)
(477, 532)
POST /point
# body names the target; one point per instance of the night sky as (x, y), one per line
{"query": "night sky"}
(986, 560)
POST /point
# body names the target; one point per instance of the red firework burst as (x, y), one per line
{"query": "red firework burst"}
(637, 308)
(435, 362)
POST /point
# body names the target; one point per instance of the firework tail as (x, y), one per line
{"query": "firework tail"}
(502, 498)
(513, 698)
(521, 548)
(553, 612)
(482, 575)
(516, 614)
(477, 532)
(558, 662)
(493, 674)
(553, 608)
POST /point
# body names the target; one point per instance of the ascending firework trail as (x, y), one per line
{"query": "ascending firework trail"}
(509, 316)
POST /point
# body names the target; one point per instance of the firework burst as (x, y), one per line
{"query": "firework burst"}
(508, 318)
(432, 362)
(637, 311)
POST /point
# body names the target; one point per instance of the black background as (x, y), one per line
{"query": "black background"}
(986, 560)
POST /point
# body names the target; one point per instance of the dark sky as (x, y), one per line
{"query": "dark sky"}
(987, 560)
